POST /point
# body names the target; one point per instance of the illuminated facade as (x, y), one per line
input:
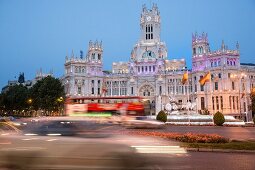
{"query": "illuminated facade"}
(150, 73)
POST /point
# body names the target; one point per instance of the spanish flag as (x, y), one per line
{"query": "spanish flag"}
(104, 88)
(185, 78)
(253, 90)
(206, 78)
(243, 94)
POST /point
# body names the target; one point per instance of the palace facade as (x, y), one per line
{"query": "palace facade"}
(150, 73)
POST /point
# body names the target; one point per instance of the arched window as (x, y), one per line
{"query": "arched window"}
(148, 54)
(194, 51)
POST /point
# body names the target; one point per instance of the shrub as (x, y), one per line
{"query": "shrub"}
(162, 116)
(187, 137)
(218, 119)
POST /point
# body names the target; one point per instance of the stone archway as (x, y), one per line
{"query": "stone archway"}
(147, 91)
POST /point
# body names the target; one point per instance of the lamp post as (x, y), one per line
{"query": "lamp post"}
(29, 102)
(59, 100)
(241, 77)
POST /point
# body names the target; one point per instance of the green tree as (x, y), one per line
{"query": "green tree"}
(252, 96)
(162, 116)
(46, 94)
(218, 119)
(15, 98)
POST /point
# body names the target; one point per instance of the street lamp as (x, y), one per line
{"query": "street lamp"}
(29, 102)
(59, 100)
(242, 77)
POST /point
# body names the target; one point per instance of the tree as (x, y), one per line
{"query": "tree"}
(15, 98)
(162, 116)
(218, 119)
(46, 94)
(252, 96)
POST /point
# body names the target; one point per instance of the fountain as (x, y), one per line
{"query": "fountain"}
(187, 114)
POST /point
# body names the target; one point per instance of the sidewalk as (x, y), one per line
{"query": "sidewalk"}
(218, 150)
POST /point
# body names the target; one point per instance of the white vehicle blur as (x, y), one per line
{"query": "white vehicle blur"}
(142, 122)
(49, 146)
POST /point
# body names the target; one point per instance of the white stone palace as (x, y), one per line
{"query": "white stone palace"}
(150, 73)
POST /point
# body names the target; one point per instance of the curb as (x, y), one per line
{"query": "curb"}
(218, 150)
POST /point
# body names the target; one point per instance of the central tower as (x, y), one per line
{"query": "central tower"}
(149, 46)
(150, 24)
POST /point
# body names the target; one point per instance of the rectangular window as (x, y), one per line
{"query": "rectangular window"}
(202, 87)
(244, 107)
(195, 88)
(230, 102)
(221, 102)
(219, 75)
(217, 102)
(132, 90)
(160, 90)
(234, 107)
(151, 36)
(237, 103)
(92, 90)
(233, 85)
(213, 103)
(215, 85)
(202, 103)
(79, 90)
(98, 91)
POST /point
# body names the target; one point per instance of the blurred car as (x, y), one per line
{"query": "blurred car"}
(49, 146)
(143, 123)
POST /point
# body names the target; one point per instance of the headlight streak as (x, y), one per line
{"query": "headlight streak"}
(160, 149)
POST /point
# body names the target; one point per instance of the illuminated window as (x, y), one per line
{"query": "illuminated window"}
(202, 103)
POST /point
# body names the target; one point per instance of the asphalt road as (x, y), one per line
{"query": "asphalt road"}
(165, 154)
(204, 160)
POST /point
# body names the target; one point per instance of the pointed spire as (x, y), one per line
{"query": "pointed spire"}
(72, 55)
(222, 45)
(237, 45)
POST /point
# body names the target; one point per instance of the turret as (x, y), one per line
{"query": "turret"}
(95, 52)
(200, 44)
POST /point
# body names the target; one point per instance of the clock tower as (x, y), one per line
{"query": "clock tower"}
(149, 47)
(150, 24)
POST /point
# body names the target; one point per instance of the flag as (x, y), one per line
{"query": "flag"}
(253, 90)
(206, 78)
(104, 88)
(185, 78)
(243, 94)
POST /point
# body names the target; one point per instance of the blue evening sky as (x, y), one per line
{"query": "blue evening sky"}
(38, 34)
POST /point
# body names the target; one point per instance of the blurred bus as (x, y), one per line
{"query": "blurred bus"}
(105, 106)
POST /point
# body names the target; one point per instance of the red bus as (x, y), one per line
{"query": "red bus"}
(105, 106)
